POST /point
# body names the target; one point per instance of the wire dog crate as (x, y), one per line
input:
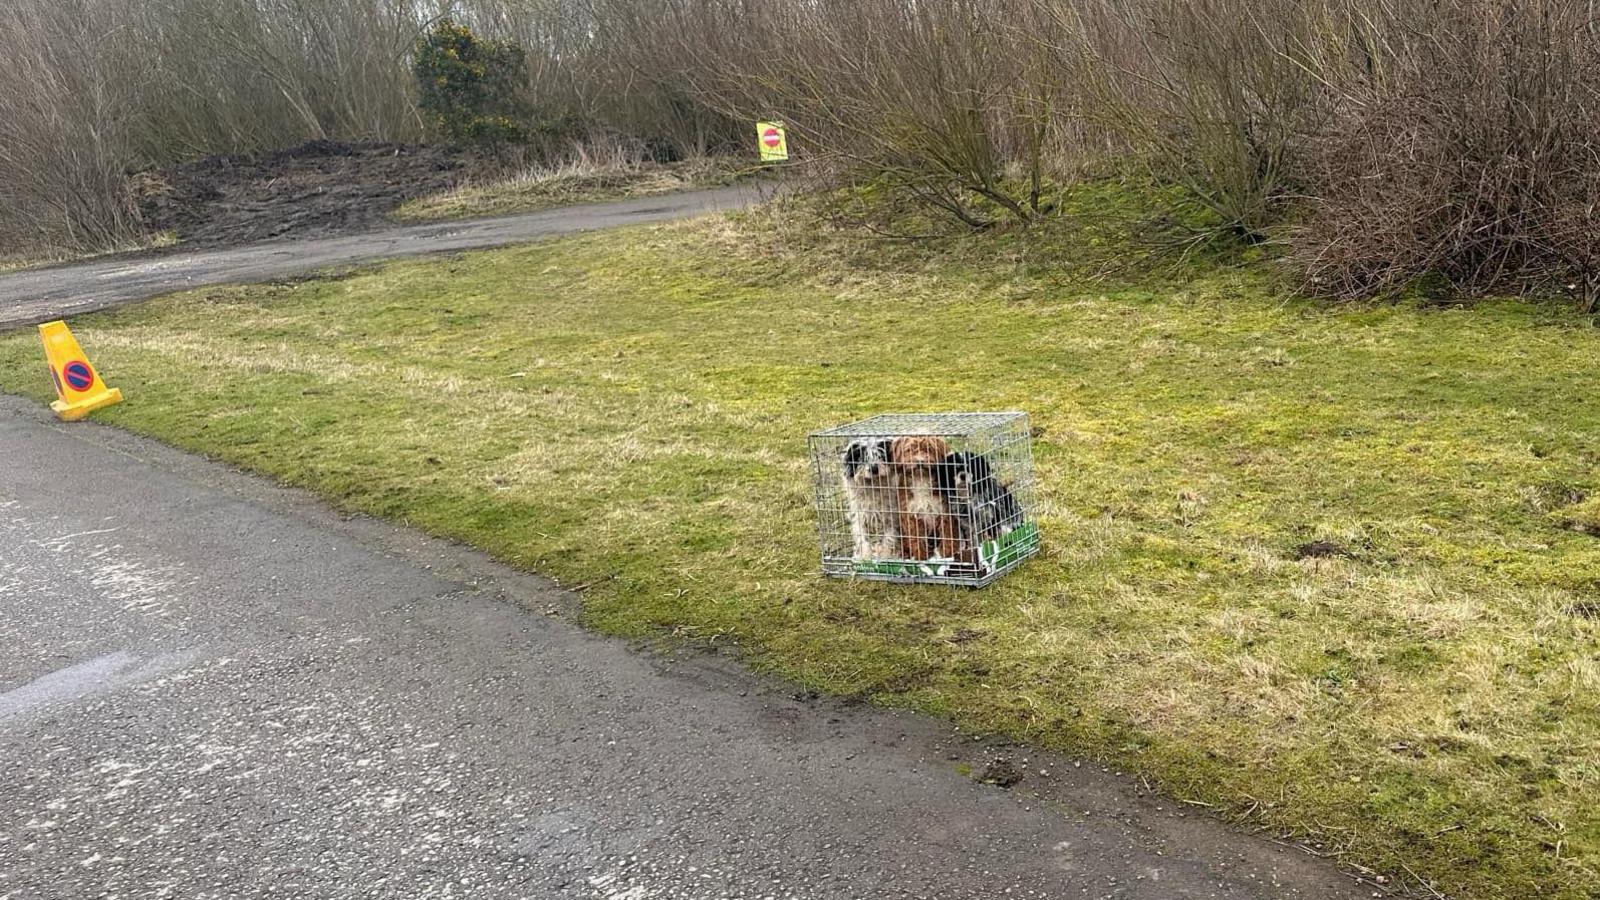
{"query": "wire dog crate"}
(932, 498)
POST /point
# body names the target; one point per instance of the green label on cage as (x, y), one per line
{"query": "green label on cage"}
(1010, 547)
(874, 567)
(992, 555)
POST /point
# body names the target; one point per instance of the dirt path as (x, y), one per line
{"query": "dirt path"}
(210, 683)
(40, 295)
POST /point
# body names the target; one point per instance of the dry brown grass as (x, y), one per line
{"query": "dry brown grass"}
(586, 177)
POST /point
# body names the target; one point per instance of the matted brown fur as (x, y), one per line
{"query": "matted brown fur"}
(927, 529)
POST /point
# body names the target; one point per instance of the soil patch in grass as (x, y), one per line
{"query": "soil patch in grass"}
(1322, 550)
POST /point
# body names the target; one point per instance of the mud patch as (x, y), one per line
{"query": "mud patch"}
(1001, 772)
(317, 189)
(1322, 550)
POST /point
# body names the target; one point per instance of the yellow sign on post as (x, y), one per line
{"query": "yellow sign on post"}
(77, 385)
(773, 140)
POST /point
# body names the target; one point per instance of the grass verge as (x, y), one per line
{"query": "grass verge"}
(578, 182)
(158, 241)
(626, 411)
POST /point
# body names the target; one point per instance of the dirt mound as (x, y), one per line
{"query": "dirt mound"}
(317, 189)
(1322, 550)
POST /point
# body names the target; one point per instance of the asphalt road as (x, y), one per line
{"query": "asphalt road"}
(32, 296)
(212, 687)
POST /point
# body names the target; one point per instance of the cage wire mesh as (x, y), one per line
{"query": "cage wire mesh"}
(941, 498)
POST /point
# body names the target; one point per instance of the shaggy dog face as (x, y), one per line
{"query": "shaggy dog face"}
(982, 504)
(956, 475)
(871, 484)
(927, 528)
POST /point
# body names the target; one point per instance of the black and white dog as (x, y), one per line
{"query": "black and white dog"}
(982, 504)
(872, 484)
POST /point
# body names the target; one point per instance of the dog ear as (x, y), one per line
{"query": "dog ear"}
(981, 470)
(947, 472)
(854, 455)
(888, 449)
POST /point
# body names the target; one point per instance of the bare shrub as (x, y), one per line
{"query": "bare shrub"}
(64, 129)
(234, 75)
(1466, 144)
(939, 99)
(640, 84)
(1207, 94)
(607, 69)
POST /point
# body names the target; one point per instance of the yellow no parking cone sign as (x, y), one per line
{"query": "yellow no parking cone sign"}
(79, 389)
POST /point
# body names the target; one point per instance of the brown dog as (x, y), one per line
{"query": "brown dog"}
(927, 527)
